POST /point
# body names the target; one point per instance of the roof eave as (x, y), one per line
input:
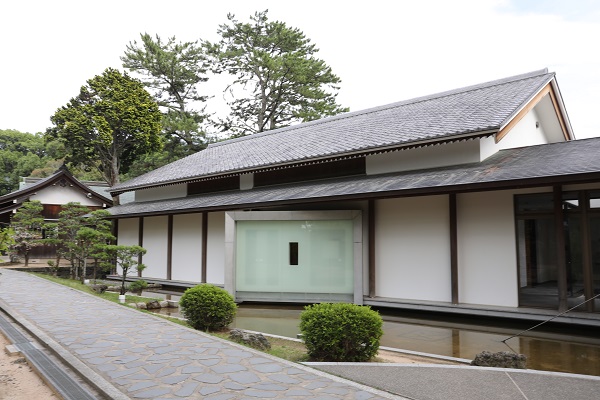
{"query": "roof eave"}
(357, 153)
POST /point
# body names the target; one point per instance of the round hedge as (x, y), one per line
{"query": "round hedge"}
(208, 307)
(340, 332)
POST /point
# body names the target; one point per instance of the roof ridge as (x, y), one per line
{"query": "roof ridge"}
(414, 100)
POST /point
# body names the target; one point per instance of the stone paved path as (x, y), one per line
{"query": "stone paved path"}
(146, 357)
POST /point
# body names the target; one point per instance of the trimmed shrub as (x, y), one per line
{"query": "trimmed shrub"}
(208, 307)
(138, 286)
(340, 332)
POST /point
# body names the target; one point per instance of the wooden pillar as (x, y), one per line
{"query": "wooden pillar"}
(204, 247)
(453, 247)
(561, 266)
(586, 250)
(169, 247)
(140, 241)
(371, 245)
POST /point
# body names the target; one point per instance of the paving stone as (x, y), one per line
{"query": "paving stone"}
(180, 363)
(172, 380)
(193, 369)
(336, 390)
(151, 369)
(209, 378)
(107, 367)
(224, 396)
(266, 368)
(187, 390)
(120, 373)
(234, 386)
(165, 371)
(140, 385)
(126, 360)
(267, 386)
(314, 385)
(224, 369)
(115, 353)
(298, 393)
(362, 395)
(206, 390)
(261, 394)
(283, 379)
(151, 394)
(210, 363)
(259, 360)
(244, 377)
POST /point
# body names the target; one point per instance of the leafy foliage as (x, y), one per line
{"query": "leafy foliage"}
(125, 257)
(276, 65)
(340, 332)
(6, 239)
(138, 286)
(112, 121)
(27, 227)
(208, 307)
(172, 71)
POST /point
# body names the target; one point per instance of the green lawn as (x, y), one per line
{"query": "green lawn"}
(287, 349)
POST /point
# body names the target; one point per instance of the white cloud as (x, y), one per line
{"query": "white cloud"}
(384, 51)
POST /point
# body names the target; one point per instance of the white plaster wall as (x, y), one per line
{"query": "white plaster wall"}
(215, 243)
(63, 195)
(487, 254)
(155, 242)
(161, 193)
(186, 261)
(128, 231)
(525, 132)
(413, 248)
(423, 157)
(246, 181)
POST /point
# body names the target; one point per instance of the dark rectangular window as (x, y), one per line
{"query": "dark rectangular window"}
(214, 185)
(332, 169)
(293, 253)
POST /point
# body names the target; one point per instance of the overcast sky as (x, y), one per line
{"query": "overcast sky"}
(384, 51)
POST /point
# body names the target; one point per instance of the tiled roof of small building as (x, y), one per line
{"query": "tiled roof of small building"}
(525, 166)
(473, 110)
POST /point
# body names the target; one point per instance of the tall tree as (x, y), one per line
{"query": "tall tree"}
(112, 121)
(20, 154)
(27, 225)
(276, 65)
(172, 71)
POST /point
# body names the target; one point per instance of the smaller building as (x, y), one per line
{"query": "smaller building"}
(53, 192)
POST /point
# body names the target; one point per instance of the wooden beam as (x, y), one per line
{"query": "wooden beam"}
(561, 262)
(559, 115)
(169, 247)
(371, 246)
(528, 107)
(203, 267)
(140, 241)
(586, 251)
(453, 247)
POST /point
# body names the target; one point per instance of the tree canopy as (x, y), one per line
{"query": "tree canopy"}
(278, 79)
(172, 70)
(112, 121)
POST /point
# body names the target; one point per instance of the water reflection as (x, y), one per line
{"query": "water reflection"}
(550, 352)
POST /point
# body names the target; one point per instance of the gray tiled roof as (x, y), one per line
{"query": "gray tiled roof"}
(473, 110)
(564, 162)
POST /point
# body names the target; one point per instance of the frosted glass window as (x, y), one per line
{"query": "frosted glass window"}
(324, 256)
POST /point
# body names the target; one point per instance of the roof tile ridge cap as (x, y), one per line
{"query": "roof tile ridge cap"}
(419, 99)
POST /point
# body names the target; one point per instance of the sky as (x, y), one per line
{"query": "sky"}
(383, 51)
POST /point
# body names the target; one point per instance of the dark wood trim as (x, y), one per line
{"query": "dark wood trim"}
(140, 241)
(169, 247)
(203, 267)
(371, 245)
(466, 188)
(559, 227)
(586, 250)
(453, 247)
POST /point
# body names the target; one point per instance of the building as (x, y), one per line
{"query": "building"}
(53, 192)
(476, 200)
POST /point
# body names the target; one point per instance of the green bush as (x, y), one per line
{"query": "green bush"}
(138, 286)
(340, 332)
(208, 307)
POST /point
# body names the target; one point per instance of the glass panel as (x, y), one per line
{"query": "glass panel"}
(325, 261)
(536, 240)
(595, 199)
(595, 246)
(537, 202)
(574, 260)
